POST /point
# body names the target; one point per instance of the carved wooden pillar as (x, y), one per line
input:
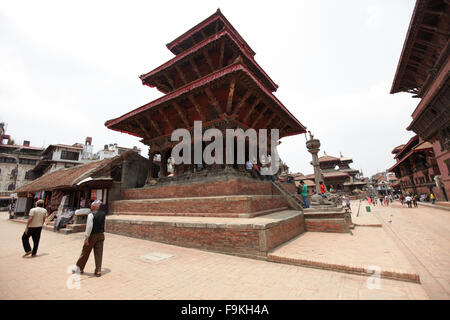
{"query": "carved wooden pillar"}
(150, 166)
(163, 169)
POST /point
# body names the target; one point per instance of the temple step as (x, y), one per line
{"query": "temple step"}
(232, 206)
(292, 199)
(250, 237)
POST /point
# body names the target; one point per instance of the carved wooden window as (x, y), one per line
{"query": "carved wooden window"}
(444, 139)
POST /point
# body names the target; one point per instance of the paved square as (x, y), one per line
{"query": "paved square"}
(188, 274)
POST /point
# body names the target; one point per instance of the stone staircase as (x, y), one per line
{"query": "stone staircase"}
(292, 199)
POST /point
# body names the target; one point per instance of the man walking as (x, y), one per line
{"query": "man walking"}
(304, 193)
(95, 237)
(408, 200)
(33, 229)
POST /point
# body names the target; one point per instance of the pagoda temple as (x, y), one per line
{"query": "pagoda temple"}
(215, 79)
(337, 174)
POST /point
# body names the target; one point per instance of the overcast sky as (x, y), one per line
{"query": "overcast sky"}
(68, 66)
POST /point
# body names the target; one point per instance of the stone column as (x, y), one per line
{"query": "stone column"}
(313, 146)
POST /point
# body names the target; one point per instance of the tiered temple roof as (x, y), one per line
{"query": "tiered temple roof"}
(213, 78)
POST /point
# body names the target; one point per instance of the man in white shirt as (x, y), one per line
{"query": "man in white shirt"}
(33, 229)
(408, 200)
(94, 238)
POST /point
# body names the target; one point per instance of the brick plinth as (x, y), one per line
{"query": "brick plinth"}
(224, 206)
(201, 189)
(251, 239)
(328, 222)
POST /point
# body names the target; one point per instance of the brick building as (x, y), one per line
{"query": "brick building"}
(16, 161)
(417, 168)
(424, 70)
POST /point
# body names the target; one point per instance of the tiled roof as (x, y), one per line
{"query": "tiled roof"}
(328, 158)
(66, 178)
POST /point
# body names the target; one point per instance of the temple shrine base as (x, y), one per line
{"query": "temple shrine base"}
(225, 212)
(328, 219)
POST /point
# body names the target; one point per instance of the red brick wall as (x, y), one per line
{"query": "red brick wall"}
(214, 239)
(242, 241)
(229, 206)
(326, 225)
(285, 231)
(220, 188)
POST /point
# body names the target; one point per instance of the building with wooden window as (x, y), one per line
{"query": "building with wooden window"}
(15, 163)
(424, 70)
(417, 169)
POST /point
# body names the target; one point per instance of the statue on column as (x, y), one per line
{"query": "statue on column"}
(313, 146)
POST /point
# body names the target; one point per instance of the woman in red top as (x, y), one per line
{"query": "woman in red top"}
(323, 189)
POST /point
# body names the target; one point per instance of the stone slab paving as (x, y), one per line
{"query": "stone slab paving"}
(186, 274)
(425, 233)
(366, 250)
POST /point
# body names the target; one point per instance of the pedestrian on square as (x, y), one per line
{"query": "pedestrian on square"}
(408, 201)
(94, 238)
(415, 200)
(33, 229)
(347, 201)
(369, 200)
(386, 201)
(304, 193)
(433, 199)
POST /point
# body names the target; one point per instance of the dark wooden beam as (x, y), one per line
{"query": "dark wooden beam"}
(242, 101)
(257, 101)
(271, 124)
(430, 44)
(169, 80)
(438, 31)
(166, 119)
(181, 74)
(197, 107)
(181, 114)
(208, 59)
(153, 124)
(213, 100)
(194, 66)
(222, 50)
(203, 34)
(161, 85)
(142, 127)
(230, 95)
(269, 120)
(259, 116)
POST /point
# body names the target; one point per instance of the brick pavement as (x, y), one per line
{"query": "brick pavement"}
(355, 253)
(425, 234)
(188, 274)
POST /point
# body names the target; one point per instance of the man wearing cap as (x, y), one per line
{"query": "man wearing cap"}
(95, 237)
(33, 229)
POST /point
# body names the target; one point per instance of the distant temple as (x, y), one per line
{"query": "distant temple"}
(336, 173)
